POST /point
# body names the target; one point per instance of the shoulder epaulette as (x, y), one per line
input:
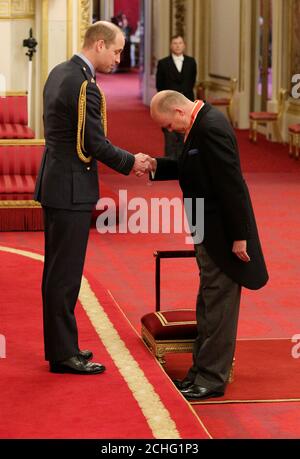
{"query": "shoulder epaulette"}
(102, 103)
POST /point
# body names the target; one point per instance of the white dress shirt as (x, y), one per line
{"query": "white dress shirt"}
(178, 61)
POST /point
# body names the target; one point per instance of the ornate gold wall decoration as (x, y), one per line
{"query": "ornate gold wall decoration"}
(84, 19)
(15, 9)
(44, 43)
(295, 52)
(179, 9)
(5, 9)
(69, 28)
(243, 44)
(294, 107)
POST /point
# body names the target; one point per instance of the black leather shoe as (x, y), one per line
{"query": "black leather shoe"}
(183, 384)
(87, 355)
(196, 392)
(77, 365)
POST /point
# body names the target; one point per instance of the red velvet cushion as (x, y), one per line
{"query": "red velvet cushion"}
(171, 325)
(295, 128)
(16, 196)
(263, 116)
(17, 183)
(15, 131)
(13, 110)
(220, 101)
(20, 159)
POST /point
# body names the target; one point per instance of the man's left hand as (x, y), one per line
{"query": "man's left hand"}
(239, 248)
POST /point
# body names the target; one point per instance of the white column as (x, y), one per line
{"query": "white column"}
(147, 88)
(107, 10)
(156, 42)
(29, 95)
(57, 38)
(38, 99)
(242, 102)
(277, 37)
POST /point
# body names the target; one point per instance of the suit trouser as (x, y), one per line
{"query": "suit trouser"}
(66, 237)
(174, 142)
(217, 313)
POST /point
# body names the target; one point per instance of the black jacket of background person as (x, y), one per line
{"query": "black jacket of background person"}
(64, 181)
(209, 168)
(168, 77)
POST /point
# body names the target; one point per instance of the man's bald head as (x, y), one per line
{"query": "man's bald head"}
(171, 110)
(166, 101)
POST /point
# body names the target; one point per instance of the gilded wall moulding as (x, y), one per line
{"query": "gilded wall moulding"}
(296, 38)
(294, 107)
(179, 17)
(16, 9)
(84, 19)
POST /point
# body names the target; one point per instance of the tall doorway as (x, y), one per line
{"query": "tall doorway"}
(126, 14)
(261, 54)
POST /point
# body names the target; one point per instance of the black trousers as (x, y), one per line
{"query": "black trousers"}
(217, 312)
(66, 237)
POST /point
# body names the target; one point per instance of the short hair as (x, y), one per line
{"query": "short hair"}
(169, 99)
(101, 30)
(174, 37)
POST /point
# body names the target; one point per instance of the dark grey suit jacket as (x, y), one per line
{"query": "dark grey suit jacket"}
(64, 181)
(209, 168)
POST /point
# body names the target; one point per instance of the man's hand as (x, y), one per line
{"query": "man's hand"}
(143, 163)
(239, 248)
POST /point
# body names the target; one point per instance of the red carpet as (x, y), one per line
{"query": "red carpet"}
(252, 420)
(38, 404)
(264, 371)
(124, 264)
(129, 123)
(130, 127)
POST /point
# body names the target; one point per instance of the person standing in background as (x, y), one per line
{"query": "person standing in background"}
(177, 72)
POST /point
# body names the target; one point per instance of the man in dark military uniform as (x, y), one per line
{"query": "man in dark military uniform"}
(67, 186)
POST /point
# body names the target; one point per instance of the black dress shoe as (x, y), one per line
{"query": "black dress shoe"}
(77, 365)
(87, 355)
(183, 384)
(196, 392)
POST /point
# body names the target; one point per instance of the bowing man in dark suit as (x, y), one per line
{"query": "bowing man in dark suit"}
(67, 186)
(177, 72)
(230, 254)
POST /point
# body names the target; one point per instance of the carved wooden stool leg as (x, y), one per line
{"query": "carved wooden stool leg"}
(290, 144)
(229, 113)
(231, 374)
(160, 355)
(254, 129)
(297, 143)
(277, 132)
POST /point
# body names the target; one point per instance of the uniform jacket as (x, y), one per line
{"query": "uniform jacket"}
(64, 181)
(209, 168)
(168, 77)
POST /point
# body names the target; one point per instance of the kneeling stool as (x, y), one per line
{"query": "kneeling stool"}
(172, 331)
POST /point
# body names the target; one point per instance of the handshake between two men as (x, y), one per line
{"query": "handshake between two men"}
(143, 163)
